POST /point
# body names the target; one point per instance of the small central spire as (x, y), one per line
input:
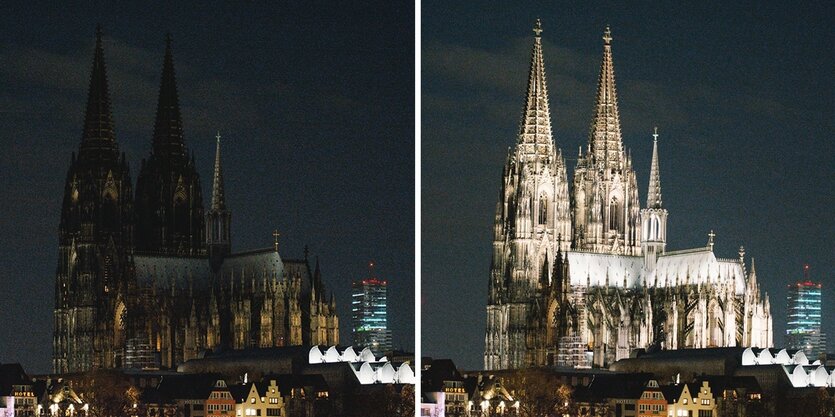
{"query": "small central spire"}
(218, 198)
(654, 191)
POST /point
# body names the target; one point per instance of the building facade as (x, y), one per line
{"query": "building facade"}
(803, 327)
(369, 313)
(652, 401)
(148, 278)
(17, 397)
(686, 400)
(581, 278)
(261, 399)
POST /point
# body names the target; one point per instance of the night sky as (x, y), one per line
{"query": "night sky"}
(743, 97)
(315, 105)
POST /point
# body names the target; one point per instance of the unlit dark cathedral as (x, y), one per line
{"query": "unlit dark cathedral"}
(581, 278)
(146, 276)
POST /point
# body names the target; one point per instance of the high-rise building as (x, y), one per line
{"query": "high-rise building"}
(803, 327)
(369, 303)
(581, 278)
(146, 275)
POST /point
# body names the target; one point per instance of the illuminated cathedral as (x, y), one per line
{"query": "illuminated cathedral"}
(580, 273)
(146, 277)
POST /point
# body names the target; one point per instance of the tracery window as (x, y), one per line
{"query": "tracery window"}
(543, 210)
(615, 214)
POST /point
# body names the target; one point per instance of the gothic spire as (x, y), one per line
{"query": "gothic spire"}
(98, 139)
(752, 277)
(168, 128)
(218, 198)
(605, 137)
(536, 120)
(654, 192)
(317, 280)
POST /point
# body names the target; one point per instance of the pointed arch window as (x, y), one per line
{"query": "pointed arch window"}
(656, 228)
(543, 210)
(615, 214)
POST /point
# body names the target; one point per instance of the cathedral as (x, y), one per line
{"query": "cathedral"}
(146, 277)
(580, 275)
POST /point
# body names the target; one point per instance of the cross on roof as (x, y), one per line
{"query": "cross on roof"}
(655, 134)
(218, 136)
(275, 237)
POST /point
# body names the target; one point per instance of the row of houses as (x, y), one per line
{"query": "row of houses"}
(160, 394)
(292, 381)
(689, 382)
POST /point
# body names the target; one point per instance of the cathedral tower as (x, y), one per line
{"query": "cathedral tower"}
(95, 235)
(654, 217)
(605, 195)
(169, 200)
(218, 238)
(159, 298)
(590, 295)
(533, 222)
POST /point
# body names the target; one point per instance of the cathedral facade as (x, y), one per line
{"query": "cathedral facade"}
(146, 277)
(580, 273)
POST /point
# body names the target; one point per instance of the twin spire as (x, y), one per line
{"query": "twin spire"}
(168, 127)
(536, 119)
(605, 141)
(98, 138)
(98, 141)
(605, 138)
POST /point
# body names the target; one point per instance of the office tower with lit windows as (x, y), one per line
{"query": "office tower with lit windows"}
(369, 316)
(803, 328)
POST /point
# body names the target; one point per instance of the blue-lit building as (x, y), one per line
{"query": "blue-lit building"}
(803, 327)
(369, 315)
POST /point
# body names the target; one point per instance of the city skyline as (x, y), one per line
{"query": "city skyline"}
(728, 115)
(313, 185)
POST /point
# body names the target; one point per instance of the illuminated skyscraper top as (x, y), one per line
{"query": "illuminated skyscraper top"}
(369, 315)
(803, 328)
